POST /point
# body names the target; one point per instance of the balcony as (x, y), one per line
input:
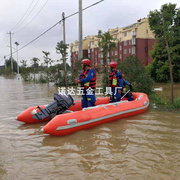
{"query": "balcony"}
(133, 34)
(133, 41)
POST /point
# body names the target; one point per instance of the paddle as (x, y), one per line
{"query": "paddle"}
(125, 93)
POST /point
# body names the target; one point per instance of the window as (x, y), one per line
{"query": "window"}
(125, 43)
(95, 52)
(95, 59)
(120, 32)
(125, 51)
(119, 39)
(134, 33)
(133, 50)
(120, 56)
(112, 53)
(130, 50)
(129, 33)
(92, 43)
(120, 48)
(130, 42)
(115, 37)
(133, 41)
(125, 34)
(115, 53)
(92, 49)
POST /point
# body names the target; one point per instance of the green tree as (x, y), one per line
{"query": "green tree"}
(165, 23)
(61, 48)
(135, 73)
(159, 54)
(47, 61)
(35, 64)
(8, 65)
(24, 70)
(106, 44)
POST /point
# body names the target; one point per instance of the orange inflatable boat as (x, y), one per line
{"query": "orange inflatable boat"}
(78, 119)
(28, 116)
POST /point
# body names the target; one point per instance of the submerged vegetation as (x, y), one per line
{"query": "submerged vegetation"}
(164, 105)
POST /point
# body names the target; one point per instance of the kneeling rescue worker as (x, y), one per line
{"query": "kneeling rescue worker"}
(87, 80)
(115, 82)
(126, 93)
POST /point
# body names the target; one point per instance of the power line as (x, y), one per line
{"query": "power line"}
(56, 25)
(33, 17)
(4, 41)
(28, 13)
(23, 15)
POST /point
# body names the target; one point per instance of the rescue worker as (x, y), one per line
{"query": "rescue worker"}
(87, 80)
(115, 82)
(126, 93)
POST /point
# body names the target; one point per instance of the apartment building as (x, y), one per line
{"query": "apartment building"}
(136, 39)
(74, 51)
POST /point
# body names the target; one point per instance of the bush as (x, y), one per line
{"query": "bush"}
(135, 73)
(176, 103)
(105, 81)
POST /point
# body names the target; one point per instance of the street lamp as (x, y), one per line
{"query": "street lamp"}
(17, 44)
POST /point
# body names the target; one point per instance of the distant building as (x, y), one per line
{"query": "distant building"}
(74, 51)
(136, 39)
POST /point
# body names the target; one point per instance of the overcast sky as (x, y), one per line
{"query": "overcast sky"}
(28, 19)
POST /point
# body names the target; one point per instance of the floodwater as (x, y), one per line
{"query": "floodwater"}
(145, 146)
(164, 90)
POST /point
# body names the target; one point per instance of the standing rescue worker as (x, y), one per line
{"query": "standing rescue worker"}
(87, 80)
(126, 93)
(115, 82)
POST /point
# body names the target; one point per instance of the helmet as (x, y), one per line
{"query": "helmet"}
(113, 64)
(86, 61)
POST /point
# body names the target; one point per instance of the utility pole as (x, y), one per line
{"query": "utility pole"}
(64, 36)
(11, 49)
(64, 41)
(17, 44)
(80, 53)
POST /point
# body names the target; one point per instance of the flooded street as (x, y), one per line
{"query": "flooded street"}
(145, 146)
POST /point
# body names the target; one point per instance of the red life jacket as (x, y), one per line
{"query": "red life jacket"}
(113, 80)
(91, 83)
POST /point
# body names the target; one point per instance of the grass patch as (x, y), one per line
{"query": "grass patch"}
(164, 105)
(176, 103)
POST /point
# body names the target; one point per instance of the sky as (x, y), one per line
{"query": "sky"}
(28, 19)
